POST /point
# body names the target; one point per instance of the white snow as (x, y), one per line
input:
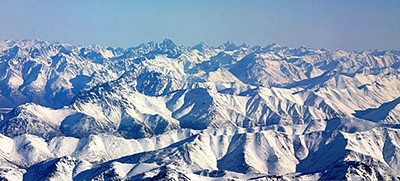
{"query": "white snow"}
(248, 113)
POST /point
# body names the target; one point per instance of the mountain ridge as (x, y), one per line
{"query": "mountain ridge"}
(160, 110)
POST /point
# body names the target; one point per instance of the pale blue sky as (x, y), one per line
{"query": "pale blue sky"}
(333, 24)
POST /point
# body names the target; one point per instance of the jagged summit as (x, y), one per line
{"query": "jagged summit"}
(167, 43)
(272, 46)
(244, 45)
(201, 47)
(228, 46)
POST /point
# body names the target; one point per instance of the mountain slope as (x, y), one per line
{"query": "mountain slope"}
(159, 111)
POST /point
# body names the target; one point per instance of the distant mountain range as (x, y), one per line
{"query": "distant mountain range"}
(163, 111)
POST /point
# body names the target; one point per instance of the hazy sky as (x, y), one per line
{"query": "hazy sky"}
(333, 24)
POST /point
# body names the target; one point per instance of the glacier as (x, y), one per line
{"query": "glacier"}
(164, 111)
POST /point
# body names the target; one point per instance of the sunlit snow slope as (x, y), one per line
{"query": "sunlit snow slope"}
(163, 111)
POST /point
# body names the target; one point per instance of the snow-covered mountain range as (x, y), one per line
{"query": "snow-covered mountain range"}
(159, 111)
